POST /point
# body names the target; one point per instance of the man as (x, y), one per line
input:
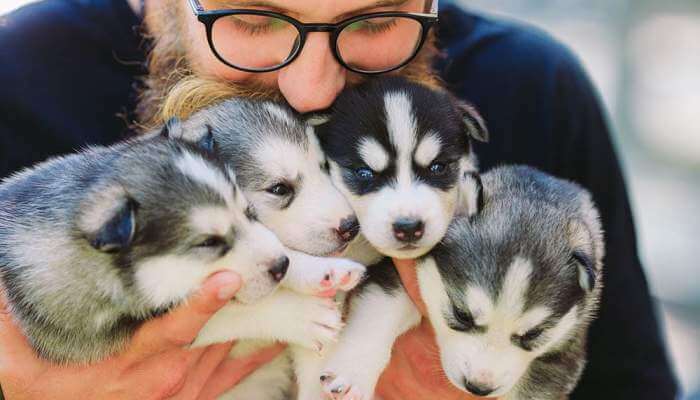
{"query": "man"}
(70, 66)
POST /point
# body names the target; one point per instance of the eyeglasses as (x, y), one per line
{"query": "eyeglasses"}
(262, 41)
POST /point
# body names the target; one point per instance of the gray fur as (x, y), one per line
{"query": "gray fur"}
(538, 217)
(56, 282)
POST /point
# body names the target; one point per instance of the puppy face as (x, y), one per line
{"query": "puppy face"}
(179, 222)
(397, 151)
(502, 293)
(282, 170)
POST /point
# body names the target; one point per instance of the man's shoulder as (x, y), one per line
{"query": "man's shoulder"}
(500, 47)
(51, 34)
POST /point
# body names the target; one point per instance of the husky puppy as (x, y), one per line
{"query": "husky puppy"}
(282, 170)
(95, 243)
(396, 151)
(510, 292)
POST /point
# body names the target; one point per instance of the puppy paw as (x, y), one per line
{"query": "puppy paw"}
(339, 387)
(322, 322)
(333, 275)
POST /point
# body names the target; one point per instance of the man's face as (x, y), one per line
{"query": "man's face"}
(314, 79)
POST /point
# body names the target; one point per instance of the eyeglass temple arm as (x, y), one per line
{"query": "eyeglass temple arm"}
(198, 8)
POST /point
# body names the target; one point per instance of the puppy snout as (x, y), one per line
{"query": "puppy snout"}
(478, 389)
(408, 229)
(278, 268)
(348, 228)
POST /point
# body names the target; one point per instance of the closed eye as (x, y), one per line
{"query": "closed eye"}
(212, 241)
(463, 321)
(529, 340)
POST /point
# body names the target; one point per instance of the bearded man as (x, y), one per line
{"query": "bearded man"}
(79, 72)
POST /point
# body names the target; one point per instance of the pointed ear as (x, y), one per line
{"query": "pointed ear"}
(207, 143)
(471, 195)
(474, 124)
(171, 128)
(116, 232)
(586, 270)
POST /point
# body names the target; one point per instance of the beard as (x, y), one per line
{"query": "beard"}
(172, 88)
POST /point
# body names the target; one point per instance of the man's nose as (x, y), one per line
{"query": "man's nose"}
(314, 79)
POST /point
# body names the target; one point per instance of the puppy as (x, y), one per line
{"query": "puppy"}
(396, 150)
(95, 243)
(510, 292)
(280, 167)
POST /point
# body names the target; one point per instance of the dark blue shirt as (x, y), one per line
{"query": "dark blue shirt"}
(69, 68)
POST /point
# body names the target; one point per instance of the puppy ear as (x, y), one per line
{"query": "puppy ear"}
(171, 128)
(586, 270)
(207, 143)
(473, 122)
(109, 220)
(471, 195)
(581, 240)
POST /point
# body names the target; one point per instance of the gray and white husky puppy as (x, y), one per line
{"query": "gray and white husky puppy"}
(95, 243)
(510, 292)
(282, 170)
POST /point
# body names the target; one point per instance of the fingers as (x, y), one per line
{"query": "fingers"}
(203, 368)
(407, 272)
(180, 326)
(15, 350)
(232, 371)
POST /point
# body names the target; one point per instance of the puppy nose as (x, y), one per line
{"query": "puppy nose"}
(348, 229)
(408, 229)
(279, 268)
(478, 389)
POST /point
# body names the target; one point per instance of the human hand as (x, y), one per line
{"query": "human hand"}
(157, 364)
(414, 371)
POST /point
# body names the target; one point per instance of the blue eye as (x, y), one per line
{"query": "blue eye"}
(364, 173)
(437, 168)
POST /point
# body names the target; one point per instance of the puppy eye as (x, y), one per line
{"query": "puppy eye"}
(364, 173)
(466, 321)
(212, 241)
(527, 340)
(279, 189)
(437, 168)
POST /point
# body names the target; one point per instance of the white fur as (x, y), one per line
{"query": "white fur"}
(198, 169)
(309, 223)
(428, 148)
(373, 154)
(364, 347)
(490, 358)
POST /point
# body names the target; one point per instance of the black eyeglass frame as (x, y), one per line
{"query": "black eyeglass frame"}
(208, 18)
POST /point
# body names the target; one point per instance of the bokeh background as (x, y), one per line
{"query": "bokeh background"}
(644, 58)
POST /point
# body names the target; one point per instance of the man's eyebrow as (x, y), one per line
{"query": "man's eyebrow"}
(378, 4)
(275, 6)
(252, 3)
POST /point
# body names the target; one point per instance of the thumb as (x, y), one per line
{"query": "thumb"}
(180, 326)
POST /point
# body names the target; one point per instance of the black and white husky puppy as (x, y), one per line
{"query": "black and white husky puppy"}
(95, 243)
(510, 292)
(397, 151)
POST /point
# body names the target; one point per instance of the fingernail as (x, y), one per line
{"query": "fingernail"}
(229, 283)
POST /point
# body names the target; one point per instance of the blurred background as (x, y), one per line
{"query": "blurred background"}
(644, 57)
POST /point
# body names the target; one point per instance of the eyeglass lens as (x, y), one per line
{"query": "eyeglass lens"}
(260, 42)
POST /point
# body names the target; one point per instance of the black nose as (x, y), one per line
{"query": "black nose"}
(408, 229)
(279, 268)
(348, 229)
(477, 389)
